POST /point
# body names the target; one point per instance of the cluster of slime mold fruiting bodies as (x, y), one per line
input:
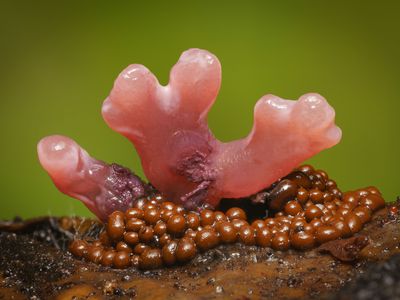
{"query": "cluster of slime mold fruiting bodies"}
(192, 171)
(158, 233)
(180, 156)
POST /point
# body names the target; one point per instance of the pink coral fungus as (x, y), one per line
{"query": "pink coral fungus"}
(179, 154)
(101, 187)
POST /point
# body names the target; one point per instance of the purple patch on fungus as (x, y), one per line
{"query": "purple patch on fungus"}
(196, 168)
(123, 188)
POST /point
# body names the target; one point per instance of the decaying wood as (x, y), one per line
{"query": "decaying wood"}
(34, 262)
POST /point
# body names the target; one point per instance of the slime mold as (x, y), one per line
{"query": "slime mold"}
(179, 154)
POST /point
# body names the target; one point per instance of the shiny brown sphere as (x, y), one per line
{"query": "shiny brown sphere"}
(258, 224)
(302, 195)
(139, 248)
(236, 213)
(176, 224)
(326, 217)
(302, 240)
(343, 211)
(270, 222)
(121, 259)
(185, 250)
(319, 184)
(285, 228)
(206, 239)
(313, 212)
(134, 213)
(274, 229)
(168, 205)
(342, 227)
(330, 184)
(330, 206)
(327, 212)
(150, 259)
(238, 223)
(325, 234)
(108, 258)
(306, 169)
(146, 234)
(307, 204)
(164, 239)
(263, 237)
(95, 254)
(246, 235)
(190, 233)
(154, 201)
(78, 248)
(361, 193)
(309, 228)
(149, 205)
(122, 246)
(116, 225)
(316, 223)
(280, 241)
(344, 205)
(207, 217)
(193, 220)
(327, 197)
(297, 224)
(336, 193)
(227, 232)
(364, 213)
(134, 224)
(373, 190)
(179, 209)
(329, 218)
(372, 201)
(169, 253)
(284, 220)
(220, 216)
(316, 196)
(160, 228)
(151, 216)
(337, 201)
(351, 199)
(292, 208)
(166, 214)
(354, 222)
(322, 174)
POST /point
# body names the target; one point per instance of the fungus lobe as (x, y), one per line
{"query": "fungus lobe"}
(179, 154)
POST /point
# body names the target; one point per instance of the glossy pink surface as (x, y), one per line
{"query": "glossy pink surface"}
(101, 187)
(179, 154)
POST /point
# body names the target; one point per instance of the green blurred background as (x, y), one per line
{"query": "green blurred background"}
(59, 60)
